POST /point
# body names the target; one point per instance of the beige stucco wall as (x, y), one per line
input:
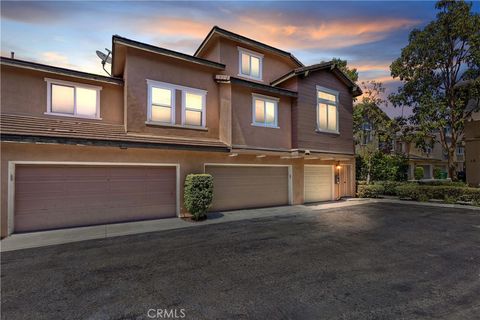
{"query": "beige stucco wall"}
(24, 92)
(141, 65)
(189, 161)
(245, 134)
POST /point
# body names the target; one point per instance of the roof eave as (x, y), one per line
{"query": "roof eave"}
(166, 52)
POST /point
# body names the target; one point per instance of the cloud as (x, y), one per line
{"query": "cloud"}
(55, 58)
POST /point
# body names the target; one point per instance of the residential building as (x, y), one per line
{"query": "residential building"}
(80, 149)
(472, 150)
(371, 136)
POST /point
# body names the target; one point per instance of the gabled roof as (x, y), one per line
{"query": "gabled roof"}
(221, 78)
(243, 39)
(330, 65)
(116, 39)
(57, 70)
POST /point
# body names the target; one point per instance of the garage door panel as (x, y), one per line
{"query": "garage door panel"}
(318, 183)
(49, 197)
(238, 187)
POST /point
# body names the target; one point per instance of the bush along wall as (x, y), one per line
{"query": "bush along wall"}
(198, 194)
(370, 190)
(449, 194)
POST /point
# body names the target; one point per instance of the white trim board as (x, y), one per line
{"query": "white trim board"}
(11, 180)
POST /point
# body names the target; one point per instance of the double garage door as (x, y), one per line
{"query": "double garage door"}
(240, 187)
(61, 196)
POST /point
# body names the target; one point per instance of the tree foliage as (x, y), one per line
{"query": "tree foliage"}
(440, 70)
(352, 73)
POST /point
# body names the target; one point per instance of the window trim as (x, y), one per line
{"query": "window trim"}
(265, 98)
(160, 85)
(328, 102)
(460, 148)
(200, 92)
(75, 85)
(254, 54)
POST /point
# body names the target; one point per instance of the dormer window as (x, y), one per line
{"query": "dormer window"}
(250, 64)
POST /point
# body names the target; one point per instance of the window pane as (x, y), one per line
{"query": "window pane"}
(86, 102)
(322, 116)
(332, 117)
(259, 111)
(245, 68)
(193, 118)
(255, 72)
(193, 101)
(327, 96)
(161, 96)
(270, 113)
(62, 99)
(161, 114)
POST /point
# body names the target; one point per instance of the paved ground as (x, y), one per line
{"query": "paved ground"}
(371, 261)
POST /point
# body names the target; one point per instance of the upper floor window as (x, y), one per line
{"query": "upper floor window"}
(265, 111)
(162, 105)
(193, 108)
(460, 151)
(250, 64)
(73, 99)
(327, 110)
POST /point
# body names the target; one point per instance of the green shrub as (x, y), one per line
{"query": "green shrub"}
(392, 167)
(418, 173)
(198, 194)
(370, 191)
(437, 173)
(449, 194)
(389, 187)
(442, 183)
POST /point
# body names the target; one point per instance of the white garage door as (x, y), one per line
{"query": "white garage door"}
(318, 183)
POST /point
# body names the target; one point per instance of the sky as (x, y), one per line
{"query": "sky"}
(368, 34)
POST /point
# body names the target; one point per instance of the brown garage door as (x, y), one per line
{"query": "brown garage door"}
(238, 187)
(55, 196)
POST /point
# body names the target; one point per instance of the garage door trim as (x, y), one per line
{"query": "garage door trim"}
(332, 167)
(11, 179)
(290, 188)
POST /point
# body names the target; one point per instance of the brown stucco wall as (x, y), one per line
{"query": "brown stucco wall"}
(245, 134)
(141, 65)
(472, 161)
(189, 161)
(274, 66)
(24, 92)
(304, 115)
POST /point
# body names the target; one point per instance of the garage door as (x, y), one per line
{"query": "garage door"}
(55, 196)
(239, 187)
(318, 183)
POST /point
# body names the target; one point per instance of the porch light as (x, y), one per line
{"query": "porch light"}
(339, 167)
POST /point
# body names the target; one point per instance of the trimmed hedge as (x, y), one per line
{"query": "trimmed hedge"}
(198, 194)
(370, 190)
(446, 193)
(446, 182)
(390, 186)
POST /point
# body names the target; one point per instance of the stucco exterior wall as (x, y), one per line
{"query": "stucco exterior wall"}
(24, 92)
(246, 134)
(140, 66)
(189, 161)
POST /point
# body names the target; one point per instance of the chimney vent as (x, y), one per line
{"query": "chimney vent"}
(12, 54)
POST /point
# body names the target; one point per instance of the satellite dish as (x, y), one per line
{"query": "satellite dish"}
(105, 58)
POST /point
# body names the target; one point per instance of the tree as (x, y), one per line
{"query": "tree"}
(437, 59)
(368, 111)
(352, 73)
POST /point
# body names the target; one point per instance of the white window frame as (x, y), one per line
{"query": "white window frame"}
(328, 102)
(160, 85)
(275, 102)
(250, 53)
(75, 85)
(200, 92)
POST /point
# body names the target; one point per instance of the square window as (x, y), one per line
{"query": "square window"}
(72, 99)
(250, 64)
(265, 111)
(194, 108)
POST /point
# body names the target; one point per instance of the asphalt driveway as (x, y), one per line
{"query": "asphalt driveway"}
(370, 261)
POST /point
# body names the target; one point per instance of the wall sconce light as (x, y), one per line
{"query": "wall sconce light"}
(339, 167)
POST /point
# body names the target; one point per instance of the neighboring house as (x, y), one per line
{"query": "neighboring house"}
(472, 150)
(80, 149)
(371, 137)
(432, 160)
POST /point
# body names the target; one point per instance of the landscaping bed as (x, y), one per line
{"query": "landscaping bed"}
(435, 191)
